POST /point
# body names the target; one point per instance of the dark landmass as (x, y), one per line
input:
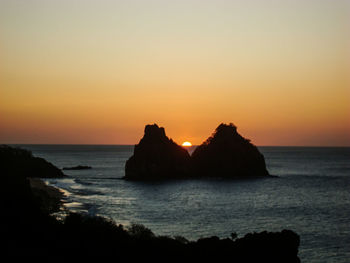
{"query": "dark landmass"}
(17, 167)
(21, 194)
(50, 198)
(78, 167)
(22, 163)
(29, 230)
(227, 154)
(157, 157)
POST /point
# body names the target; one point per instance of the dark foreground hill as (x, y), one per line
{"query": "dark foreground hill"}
(28, 230)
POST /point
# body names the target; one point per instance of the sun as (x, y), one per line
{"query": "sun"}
(187, 144)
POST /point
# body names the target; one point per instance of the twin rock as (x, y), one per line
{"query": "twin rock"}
(225, 154)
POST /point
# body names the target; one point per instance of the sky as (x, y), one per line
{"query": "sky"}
(96, 72)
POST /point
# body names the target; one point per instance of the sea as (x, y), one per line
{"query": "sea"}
(309, 195)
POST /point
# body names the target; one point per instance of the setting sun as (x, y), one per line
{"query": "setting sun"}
(187, 144)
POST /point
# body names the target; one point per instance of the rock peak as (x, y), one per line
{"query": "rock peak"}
(225, 134)
(154, 131)
(226, 128)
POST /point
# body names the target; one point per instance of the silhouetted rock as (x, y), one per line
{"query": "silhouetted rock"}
(227, 154)
(157, 157)
(79, 167)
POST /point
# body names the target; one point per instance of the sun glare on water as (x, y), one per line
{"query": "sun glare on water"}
(187, 144)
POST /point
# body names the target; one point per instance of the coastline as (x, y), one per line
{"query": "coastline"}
(80, 233)
(51, 198)
(50, 226)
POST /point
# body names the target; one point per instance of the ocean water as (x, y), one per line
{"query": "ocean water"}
(311, 196)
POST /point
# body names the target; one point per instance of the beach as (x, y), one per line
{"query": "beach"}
(50, 196)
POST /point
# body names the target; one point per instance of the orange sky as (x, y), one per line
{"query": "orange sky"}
(95, 72)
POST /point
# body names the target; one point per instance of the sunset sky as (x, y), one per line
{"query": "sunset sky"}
(95, 72)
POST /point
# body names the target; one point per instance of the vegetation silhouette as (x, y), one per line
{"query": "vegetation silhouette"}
(30, 230)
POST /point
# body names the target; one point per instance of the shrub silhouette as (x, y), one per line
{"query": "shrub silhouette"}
(140, 231)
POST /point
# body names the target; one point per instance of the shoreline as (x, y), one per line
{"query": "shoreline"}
(38, 222)
(273, 246)
(51, 198)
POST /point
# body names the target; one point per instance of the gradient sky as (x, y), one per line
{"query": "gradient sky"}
(95, 72)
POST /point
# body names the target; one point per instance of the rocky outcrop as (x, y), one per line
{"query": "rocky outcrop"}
(21, 162)
(78, 167)
(157, 157)
(227, 154)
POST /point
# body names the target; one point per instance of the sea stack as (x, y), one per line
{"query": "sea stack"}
(227, 154)
(157, 157)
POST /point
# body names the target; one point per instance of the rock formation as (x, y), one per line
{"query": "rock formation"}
(78, 167)
(157, 157)
(227, 154)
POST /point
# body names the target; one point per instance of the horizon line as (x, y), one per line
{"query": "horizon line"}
(121, 144)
